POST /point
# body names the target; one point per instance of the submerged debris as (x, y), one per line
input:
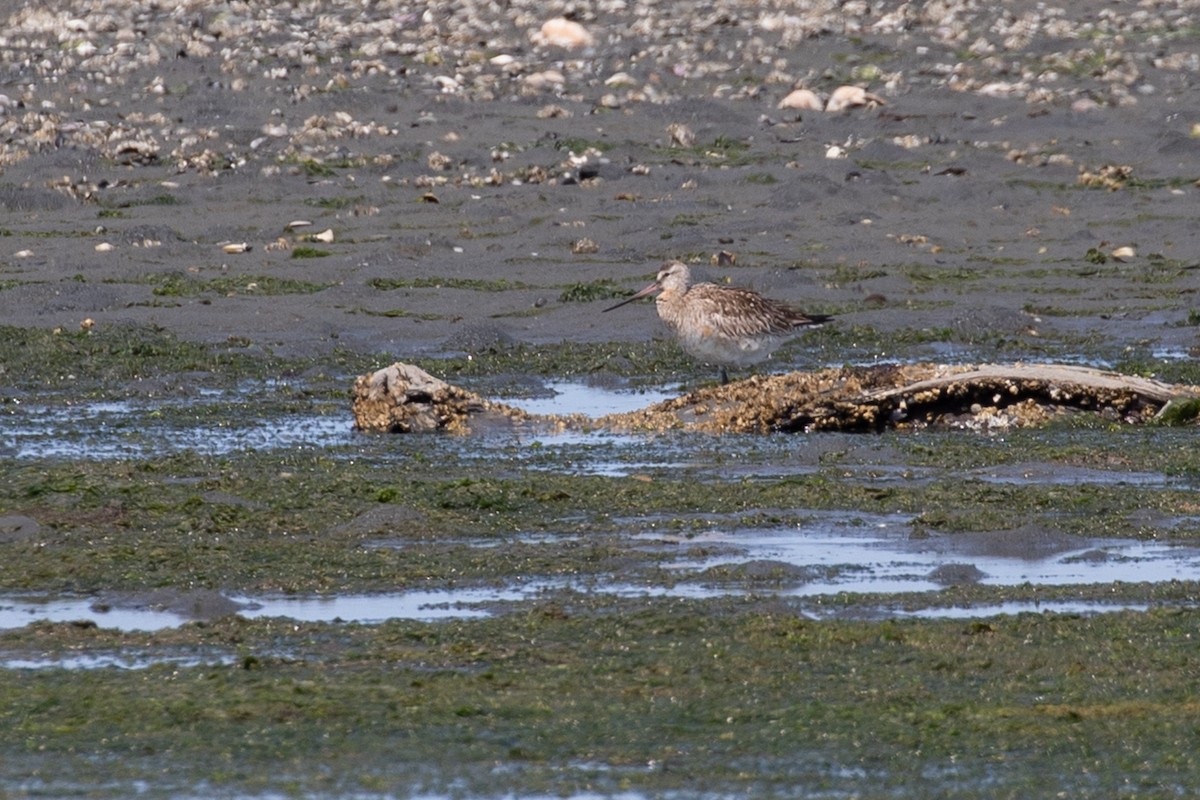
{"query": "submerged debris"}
(405, 399)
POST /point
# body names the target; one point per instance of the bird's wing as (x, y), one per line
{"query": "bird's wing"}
(741, 313)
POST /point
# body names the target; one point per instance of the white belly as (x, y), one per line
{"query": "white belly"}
(713, 348)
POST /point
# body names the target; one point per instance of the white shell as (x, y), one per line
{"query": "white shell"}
(845, 97)
(802, 100)
(565, 33)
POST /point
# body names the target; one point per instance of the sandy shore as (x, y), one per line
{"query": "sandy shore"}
(456, 164)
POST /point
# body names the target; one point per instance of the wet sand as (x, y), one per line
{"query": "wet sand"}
(457, 175)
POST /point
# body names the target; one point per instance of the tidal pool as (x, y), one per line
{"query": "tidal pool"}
(115, 660)
(129, 429)
(879, 554)
(834, 554)
(590, 401)
(830, 553)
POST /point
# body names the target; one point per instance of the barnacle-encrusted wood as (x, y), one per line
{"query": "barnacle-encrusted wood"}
(404, 399)
(407, 399)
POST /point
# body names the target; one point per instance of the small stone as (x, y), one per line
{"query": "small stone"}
(681, 135)
(619, 79)
(554, 112)
(546, 79)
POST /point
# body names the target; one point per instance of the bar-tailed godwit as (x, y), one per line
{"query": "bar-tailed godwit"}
(721, 325)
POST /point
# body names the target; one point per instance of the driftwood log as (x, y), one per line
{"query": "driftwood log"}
(403, 398)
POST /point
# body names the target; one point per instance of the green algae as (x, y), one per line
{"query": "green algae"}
(474, 284)
(110, 361)
(582, 690)
(731, 696)
(141, 524)
(1181, 411)
(304, 251)
(173, 284)
(590, 291)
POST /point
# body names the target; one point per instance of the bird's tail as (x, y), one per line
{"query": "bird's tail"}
(813, 319)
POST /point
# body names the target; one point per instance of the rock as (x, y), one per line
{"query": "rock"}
(403, 398)
(386, 519)
(193, 604)
(18, 528)
(956, 574)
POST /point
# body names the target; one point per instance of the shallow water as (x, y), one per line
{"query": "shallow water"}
(834, 554)
(19, 610)
(118, 660)
(590, 401)
(130, 429)
(831, 553)
(885, 558)
(127, 430)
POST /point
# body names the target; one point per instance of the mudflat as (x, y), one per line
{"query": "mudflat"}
(215, 217)
(1020, 172)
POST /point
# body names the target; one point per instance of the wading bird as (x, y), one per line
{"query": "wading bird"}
(721, 325)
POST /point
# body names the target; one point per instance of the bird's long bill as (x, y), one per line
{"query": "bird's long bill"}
(651, 289)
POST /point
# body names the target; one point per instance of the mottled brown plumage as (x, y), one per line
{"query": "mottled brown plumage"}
(721, 325)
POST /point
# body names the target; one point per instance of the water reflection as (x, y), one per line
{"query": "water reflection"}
(590, 401)
(128, 429)
(838, 555)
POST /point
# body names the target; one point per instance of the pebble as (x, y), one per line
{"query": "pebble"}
(681, 135)
(90, 77)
